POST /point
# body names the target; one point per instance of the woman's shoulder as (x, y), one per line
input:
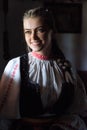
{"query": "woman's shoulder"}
(64, 64)
(15, 60)
(67, 69)
(12, 62)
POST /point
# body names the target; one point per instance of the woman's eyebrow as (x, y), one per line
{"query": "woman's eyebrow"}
(34, 28)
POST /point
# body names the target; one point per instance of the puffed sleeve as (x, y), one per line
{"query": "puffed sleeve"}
(9, 89)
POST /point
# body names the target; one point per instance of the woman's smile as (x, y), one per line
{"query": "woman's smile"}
(37, 35)
(35, 43)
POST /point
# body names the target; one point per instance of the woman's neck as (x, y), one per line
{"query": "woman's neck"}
(45, 52)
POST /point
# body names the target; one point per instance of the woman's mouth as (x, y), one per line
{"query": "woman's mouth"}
(35, 43)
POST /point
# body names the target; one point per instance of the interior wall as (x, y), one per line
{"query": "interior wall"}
(74, 46)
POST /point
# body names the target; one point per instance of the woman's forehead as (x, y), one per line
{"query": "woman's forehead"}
(34, 22)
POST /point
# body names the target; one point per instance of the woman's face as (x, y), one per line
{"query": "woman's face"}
(37, 35)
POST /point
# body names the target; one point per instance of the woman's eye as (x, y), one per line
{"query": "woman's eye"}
(27, 32)
(41, 30)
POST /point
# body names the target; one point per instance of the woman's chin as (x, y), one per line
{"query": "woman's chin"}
(37, 50)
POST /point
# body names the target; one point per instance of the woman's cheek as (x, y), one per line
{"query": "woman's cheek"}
(26, 38)
(44, 37)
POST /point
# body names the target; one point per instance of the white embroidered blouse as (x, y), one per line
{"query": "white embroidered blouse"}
(48, 75)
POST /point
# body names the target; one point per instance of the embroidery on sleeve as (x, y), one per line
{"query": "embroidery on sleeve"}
(9, 87)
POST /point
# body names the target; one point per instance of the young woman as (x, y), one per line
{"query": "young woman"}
(41, 82)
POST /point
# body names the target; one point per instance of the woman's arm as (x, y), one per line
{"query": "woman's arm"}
(9, 89)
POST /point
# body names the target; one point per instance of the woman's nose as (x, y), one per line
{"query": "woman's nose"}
(34, 35)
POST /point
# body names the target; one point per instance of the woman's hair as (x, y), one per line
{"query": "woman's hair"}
(47, 16)
(42, 12)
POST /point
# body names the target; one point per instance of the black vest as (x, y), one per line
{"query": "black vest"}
(30, 99)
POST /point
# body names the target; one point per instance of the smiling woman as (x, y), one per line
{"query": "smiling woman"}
(37, 35)
(41, 84)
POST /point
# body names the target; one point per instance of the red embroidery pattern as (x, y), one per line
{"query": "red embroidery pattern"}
(13, 75)
(39, 56)
(9, 87)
